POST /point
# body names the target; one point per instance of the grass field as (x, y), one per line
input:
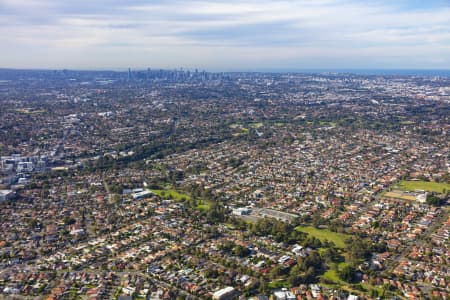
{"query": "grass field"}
(333, 281)
(29, 111)
(204, 205)
(407, 122)
(241, 130)
(277, 284)
(400, 195)
(423, 185)
(256, 125)
(327, 123)
(178, 196)
(332, 275)
(168, 193)
(323, 234)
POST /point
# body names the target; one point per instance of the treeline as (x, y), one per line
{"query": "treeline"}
(157, 150)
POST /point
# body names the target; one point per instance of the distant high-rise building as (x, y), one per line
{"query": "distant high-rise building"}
(129, 74)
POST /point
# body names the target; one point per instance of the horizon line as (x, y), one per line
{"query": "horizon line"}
(367, 71)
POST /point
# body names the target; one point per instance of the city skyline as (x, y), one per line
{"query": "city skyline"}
(226, 36)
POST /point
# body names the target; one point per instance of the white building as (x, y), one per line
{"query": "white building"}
(283, 294)
(6, 195)
(242, 211)
(421, 197)
(142, 195)
(227, 293)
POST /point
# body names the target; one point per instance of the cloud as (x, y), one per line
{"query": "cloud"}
(219, 33)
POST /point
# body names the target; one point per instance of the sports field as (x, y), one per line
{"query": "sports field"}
(323, 234)
(171, 193)
(429, 186)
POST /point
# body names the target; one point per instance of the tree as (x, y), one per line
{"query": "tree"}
(312, 260)
(310, 275)
(358, 249)
(295, 277)
(347, 273)
(332, 255)
(216, 214)
(433, 200)
(275, 272)
(32, 222)
(241, 251)
(69, 221)
(211, 273)
(313, 242)
(262, 285)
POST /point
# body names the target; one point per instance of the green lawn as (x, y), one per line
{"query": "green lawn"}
(321, 250)
(277, 284)
(204, 205)
(323, 234)
(328, 123)
(31, 111)
(369, 287)
(332, 275)
(176, 195)
(236, 134)
(256, 125)
(410, 185)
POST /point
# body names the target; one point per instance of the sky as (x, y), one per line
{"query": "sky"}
(225, 35)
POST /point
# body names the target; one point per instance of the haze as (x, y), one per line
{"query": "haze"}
(225, 35)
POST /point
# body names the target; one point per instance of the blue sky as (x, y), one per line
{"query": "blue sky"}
(225, 35)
